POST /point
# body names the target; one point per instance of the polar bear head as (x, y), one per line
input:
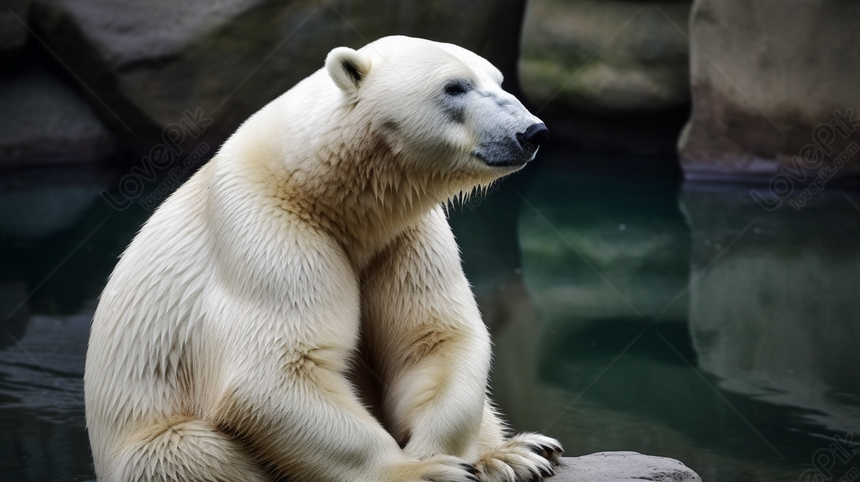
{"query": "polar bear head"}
(439, 107)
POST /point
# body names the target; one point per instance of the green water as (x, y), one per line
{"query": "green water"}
(628, 311)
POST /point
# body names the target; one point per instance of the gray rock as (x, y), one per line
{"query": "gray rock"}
(763, 77)
(151, 61)
(45, 121)
(603, 56)
(622, 467)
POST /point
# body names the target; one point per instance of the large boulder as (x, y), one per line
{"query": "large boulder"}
(151, 61)
(45, 121)
(606, 56)
(763, 77)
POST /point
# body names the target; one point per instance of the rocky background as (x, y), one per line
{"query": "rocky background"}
(89, 81)
(138, 66)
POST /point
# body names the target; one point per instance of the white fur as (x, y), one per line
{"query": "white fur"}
(298, 308)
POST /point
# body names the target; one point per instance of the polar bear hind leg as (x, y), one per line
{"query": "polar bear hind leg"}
(183, 449)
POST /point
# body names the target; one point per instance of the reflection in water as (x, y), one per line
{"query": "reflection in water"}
(776, 317)
(605, 248)
(770, 329)
(700, 380)
(37, 205)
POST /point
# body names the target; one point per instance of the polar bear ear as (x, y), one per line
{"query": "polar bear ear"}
(347, 68)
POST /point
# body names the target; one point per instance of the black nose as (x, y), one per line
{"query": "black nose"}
(533, 136)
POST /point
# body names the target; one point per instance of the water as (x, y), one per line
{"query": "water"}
(629, 312)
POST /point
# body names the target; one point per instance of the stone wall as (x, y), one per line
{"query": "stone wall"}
(151, 61)
(764, 74)
(608, 74)
(766, 79)
(606, 56)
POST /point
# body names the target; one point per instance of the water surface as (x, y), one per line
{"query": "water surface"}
(629, 312)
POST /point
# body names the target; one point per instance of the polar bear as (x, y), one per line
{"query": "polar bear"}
(297, 310)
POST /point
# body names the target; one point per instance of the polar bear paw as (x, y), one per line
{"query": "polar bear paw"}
(526, 456)
(441, 468)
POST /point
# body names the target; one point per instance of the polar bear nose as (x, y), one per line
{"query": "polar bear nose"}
(533, 136)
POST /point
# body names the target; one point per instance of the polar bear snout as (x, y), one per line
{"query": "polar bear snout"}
(513, 150)
(531, 139)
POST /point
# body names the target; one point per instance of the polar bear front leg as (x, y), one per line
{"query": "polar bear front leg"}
(427, 344)
(309, 425)
(525, 456)
(425, 341)
(283, 389)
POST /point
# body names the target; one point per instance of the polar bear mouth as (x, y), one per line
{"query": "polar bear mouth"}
(503, 161)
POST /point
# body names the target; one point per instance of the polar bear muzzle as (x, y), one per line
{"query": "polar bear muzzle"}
(513, 151)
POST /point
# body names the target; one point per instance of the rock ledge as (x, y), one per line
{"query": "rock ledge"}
(623, 467)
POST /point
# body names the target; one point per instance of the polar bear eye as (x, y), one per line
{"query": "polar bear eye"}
(456, 88)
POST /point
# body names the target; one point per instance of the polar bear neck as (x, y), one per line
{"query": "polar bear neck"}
(366, 197)
(353, 187)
